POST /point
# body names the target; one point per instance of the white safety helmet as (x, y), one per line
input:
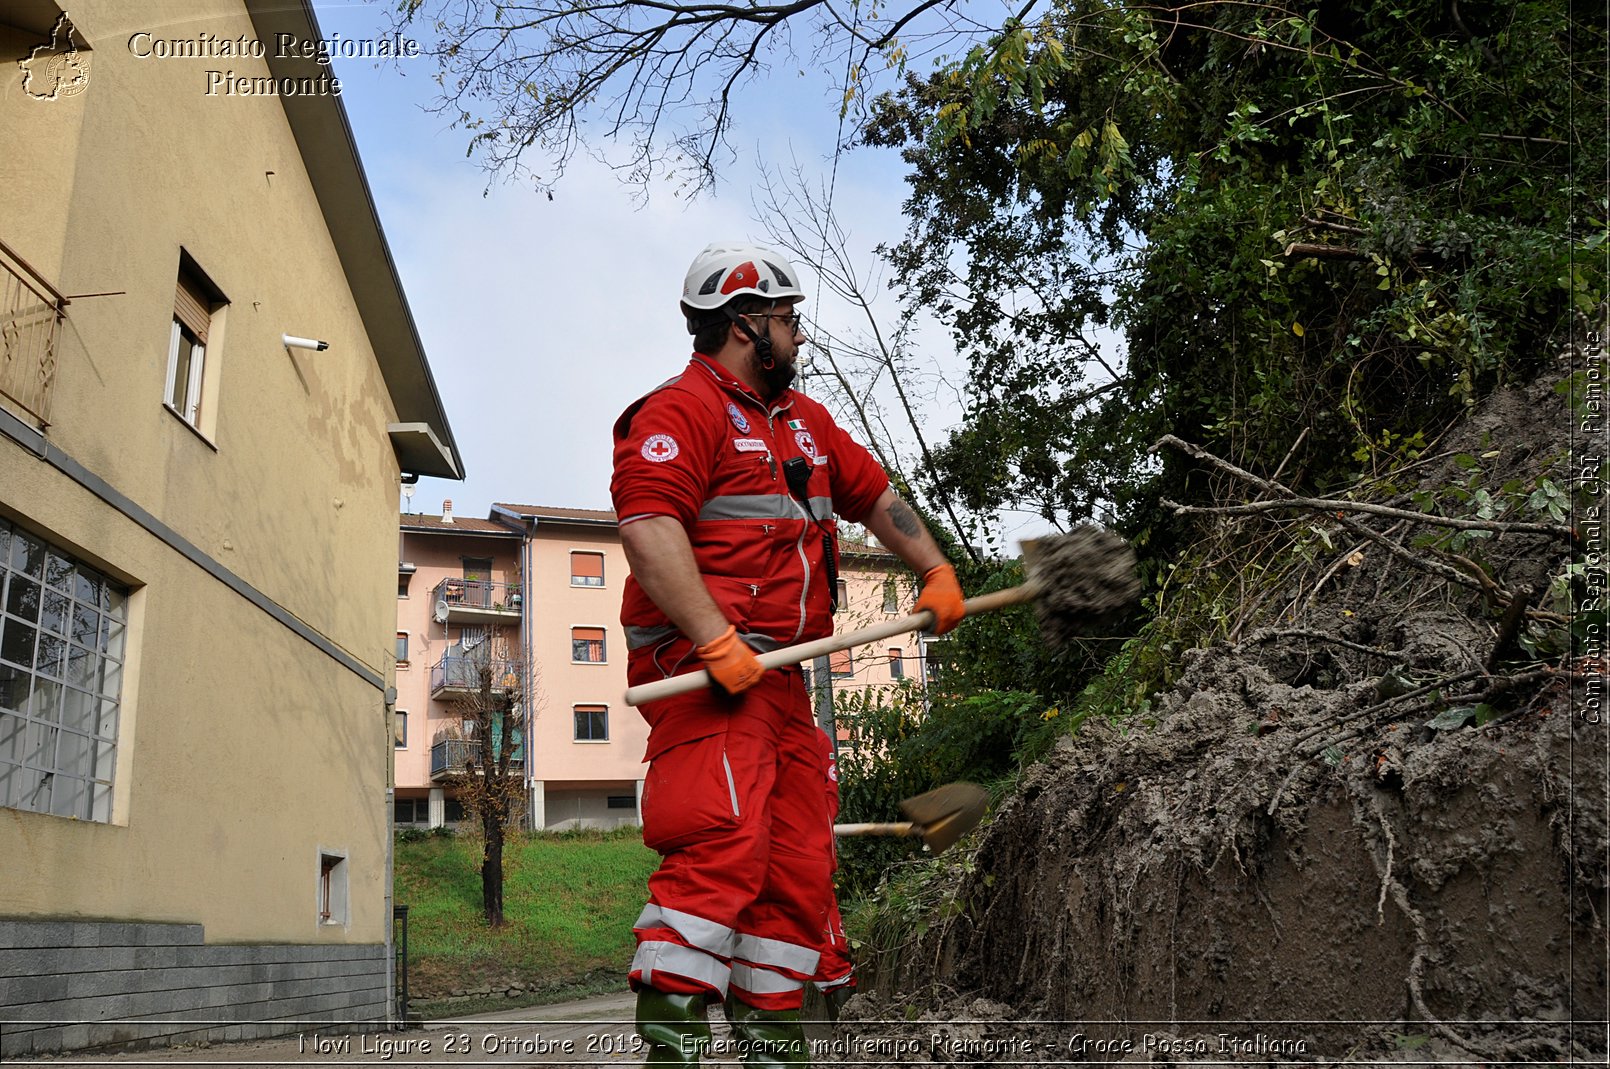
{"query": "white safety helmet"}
(726, 270)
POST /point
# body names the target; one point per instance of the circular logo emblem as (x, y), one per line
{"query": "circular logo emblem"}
(659, 448)
(806, 442)
(738, 419)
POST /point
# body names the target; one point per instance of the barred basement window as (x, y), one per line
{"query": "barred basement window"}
(61, 679)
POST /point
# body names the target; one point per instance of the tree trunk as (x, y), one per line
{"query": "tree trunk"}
(492, 869)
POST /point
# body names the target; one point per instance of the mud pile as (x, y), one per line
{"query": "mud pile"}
(1309, 849)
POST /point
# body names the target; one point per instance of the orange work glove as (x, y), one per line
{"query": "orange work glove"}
(730, 662)
(942, 596)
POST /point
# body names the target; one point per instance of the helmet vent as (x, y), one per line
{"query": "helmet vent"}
(711, 283)
(782, 276)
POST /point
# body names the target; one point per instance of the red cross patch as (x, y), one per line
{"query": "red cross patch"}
(659, 448)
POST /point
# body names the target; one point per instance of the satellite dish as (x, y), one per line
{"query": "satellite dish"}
(441, 610)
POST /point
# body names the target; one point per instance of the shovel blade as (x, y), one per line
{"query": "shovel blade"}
(945, 814)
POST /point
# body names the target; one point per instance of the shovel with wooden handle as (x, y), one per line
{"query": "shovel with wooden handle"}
(805, 651)
(1071, 577)
(938, 818)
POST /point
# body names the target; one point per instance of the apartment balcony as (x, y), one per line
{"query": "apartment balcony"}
(457, 678)
(31, 312)
(452, 757)
(476, 601)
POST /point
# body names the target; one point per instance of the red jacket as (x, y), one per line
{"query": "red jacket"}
(705, 450)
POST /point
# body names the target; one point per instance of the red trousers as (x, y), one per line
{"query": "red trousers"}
(834, 970)
(744, 888)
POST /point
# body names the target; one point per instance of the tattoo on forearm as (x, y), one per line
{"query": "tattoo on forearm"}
(905, 521)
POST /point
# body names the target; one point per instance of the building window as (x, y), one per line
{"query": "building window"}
(897, 664)
(61, 679)
(193, 304)
(402, 647)
(843, 595)
(586, 569)
(332, 889)
(402, 583)
(587, 645)
(399, 729)
(891, 595)
(621, 801)
(452, 811)
(842, 664)
(410, 811)
(592, 723)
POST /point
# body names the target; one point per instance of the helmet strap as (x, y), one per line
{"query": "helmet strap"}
(762, 343)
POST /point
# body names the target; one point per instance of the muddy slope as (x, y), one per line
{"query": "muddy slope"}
(1283, 860)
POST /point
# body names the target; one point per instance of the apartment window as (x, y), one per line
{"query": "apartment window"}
(592, 723)
(332, 889)
(452, 811)
(410, 811)
(842, 664)
(193, 304)
(587, 645)
(897, 664)
(586, 569)
(621, 801)
(399, 729)
(843, 595)
(61, 678)
(891, 595)
(402, 647)
(402, 583)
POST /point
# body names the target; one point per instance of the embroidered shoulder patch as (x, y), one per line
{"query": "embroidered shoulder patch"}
(739, 420)
(659, 448)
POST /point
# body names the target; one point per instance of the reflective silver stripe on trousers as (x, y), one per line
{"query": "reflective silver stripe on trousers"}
(763, 981)
(705, 934)
(776, 953)
(828, 985)
(762, 507)
(678, 960)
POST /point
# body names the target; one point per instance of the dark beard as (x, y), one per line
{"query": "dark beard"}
(777, 378)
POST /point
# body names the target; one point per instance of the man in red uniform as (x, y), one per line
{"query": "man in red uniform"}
(727, 484)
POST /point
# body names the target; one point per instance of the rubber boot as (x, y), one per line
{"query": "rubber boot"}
(768, 1037)
(674, 1027)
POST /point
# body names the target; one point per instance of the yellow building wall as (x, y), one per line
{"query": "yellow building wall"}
(244, 748)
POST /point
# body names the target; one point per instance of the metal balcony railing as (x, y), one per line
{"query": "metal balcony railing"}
(451, 756)
(30, 309)
(478, 594)
(464, 673)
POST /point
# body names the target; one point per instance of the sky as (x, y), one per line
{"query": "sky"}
(543, 319)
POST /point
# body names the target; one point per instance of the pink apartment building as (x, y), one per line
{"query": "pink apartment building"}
(542, 586)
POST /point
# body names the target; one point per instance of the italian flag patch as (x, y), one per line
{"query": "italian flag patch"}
(796, 424)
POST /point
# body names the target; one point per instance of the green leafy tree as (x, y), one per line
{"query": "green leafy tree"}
(1339, 224)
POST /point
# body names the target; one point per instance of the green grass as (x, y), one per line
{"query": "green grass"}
(569, 902)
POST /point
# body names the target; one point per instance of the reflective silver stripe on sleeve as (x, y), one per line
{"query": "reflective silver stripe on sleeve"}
(705, 934)
(750, 507)
(763, 981)
(638, 637)
(776, 953)
(678, 960)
